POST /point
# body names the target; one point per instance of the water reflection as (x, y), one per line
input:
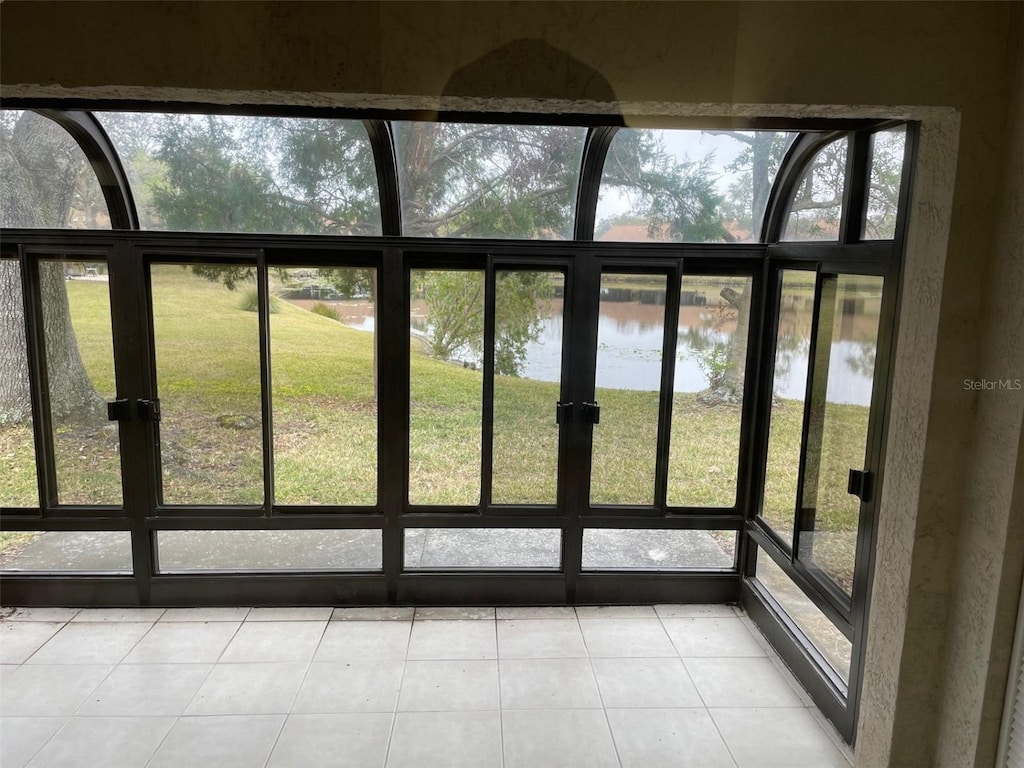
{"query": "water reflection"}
(631, 334)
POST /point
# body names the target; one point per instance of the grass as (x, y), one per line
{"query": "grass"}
(325, 425)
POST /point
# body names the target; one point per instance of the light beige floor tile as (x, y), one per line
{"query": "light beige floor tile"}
(711, 638)
(150, 689)
(627, 638)
(615, 612)
(314, 613)
(183, 643)
(364, 640)
(565, 738)
(542, 612)
(337, 741)
(275, 641)
(88, 643)
(777, 738)
(446, 740)
(205, 614)
(540, 639)
(224, 742)
(48, 690)
(668, 738)
(696, 611)
(22, 737)
(394, 613)
(111, 742)
(20, 639)
(141, 615)
(548, 684)
(453, 640)
(249, 689)
(350, 686)
(739, 682)
(454, 613)
(42, 614)
(446, 686)
(645, 683)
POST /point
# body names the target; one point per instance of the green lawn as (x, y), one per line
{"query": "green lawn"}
(325, 418)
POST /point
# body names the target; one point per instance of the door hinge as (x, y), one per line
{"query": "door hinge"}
(119, 410)
(149, 410)
(563, 413)
(591, 413)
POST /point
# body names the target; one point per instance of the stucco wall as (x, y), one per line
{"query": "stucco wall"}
(988, 574)
(948, 467)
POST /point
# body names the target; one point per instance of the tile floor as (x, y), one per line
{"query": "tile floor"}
(630, 687)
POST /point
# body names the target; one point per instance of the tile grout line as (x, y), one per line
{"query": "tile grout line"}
(707, 709)
(600, 696)
(298, 689)
(178, 718)
(501, 709)
(398, 696)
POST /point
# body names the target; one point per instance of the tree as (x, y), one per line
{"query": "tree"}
(676, 197)
(312, 176)
(44, 177)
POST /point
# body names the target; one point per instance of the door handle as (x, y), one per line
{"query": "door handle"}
(859, 484)
(123, 410)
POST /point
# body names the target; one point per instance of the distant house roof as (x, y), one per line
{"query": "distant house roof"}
(627, 233)
(639, 233)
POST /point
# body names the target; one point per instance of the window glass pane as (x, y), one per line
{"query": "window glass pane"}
(657, 549)
(223, 173)
(446, 386)
(815, 625)
(479, 180)
(817, 203)
(792, 351)
(323, 361)
(482, 548)
(630, 339)
(320, 550)
(528, 372)
(80, 371)
(887, 150)
(58, 551)
(689, 186)
(711, 354)
(206, 335)
(17, 446)
(844, 368)
(47, 180)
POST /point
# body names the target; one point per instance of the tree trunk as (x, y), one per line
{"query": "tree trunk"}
(15, 399)
(40, 165)
(71, 392)
(729, 388)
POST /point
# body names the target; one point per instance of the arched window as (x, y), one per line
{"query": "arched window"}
(46, 180)
(222, 173)
(481, 180)
(687, 185)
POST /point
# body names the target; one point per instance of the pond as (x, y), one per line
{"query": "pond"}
(631, 335)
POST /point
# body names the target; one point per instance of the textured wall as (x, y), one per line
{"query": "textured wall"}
(988, 575)
(945, 557)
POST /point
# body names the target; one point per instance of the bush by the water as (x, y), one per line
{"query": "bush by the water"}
(322, 309)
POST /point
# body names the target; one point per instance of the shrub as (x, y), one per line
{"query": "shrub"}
(249, 301)
(329, 312)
